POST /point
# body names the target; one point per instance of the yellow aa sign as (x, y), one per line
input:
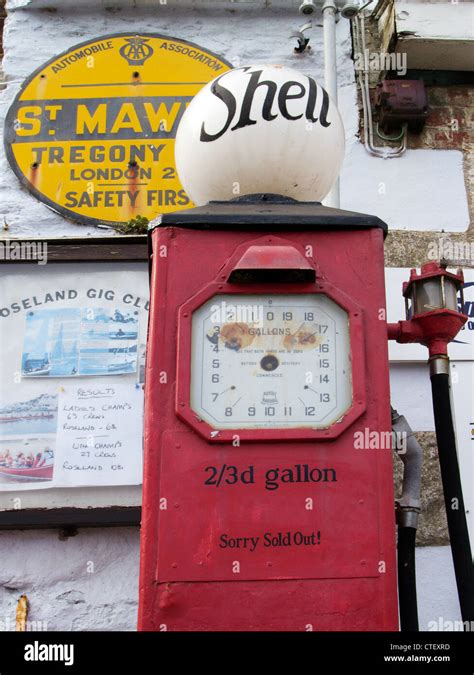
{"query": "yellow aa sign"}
(91, 133)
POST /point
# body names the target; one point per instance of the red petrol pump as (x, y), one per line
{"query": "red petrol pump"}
(265, 364)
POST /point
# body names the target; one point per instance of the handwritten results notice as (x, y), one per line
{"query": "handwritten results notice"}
(99, 435)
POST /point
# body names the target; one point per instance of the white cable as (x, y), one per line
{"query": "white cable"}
(376, 151)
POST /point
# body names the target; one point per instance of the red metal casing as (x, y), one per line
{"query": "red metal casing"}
(346, 578)
(437, 328)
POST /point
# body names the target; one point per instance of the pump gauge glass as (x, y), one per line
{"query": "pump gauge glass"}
(270, 361)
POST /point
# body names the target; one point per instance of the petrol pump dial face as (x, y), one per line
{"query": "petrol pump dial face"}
(270, 361)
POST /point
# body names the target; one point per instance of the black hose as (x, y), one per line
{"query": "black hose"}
(407, 579)
(453, 498)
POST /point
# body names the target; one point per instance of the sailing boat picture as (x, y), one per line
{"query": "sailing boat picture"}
(50, 344)
(79, 342)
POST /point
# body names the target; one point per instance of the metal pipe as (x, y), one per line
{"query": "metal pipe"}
(408, 508)
(452, 488)
(385, 153)
(330, 75)
(411, 454)
(363, 78)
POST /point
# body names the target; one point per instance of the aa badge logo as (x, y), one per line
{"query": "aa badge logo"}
(136, 50)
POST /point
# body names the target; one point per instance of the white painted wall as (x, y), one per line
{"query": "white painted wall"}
(68, 596)
(422, 190)
(401, 191)
(436, 19)
(435, 34)
(410, 392)
(86, 582)
(438, 605)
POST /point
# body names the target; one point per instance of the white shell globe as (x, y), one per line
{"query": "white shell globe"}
(262, 128)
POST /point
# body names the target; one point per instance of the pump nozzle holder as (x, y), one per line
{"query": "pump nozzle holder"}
(431, 301)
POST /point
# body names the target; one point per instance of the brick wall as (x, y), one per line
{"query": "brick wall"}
(451, 118)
